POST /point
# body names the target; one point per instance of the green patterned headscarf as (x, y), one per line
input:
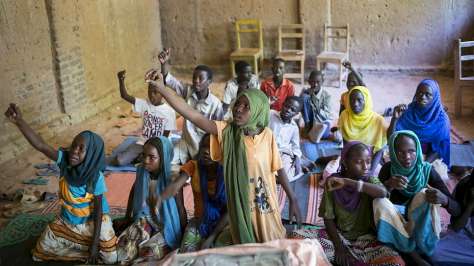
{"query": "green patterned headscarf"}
(236, 175)
(418, 174)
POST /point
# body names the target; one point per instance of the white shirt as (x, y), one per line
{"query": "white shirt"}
(210, 107)
(232, 86)
(156, 119)
(287, 135)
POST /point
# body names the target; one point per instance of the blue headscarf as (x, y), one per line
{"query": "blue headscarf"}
(213, 206)
(431, 123)
(88, 171)
(168, 213)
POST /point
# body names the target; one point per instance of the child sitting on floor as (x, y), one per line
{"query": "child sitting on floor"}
(287, 135)
(409, 220)
(154, 227)
(354, 78)
(349, 237)
(199, 97)
(207, 183)
(277, 88)
(158, 120)
(244, 80)
(82, 231)
(247, 149)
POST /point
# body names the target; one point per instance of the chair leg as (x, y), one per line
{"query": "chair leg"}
(261, 65)
(457, 99)
(255, 63)
(232, 68)
(317, 64)
(302, 72)
(340, 74)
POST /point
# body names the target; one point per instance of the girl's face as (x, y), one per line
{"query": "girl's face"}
(241, 111)
(424, 96)
(151, 158)
(405, 148)
(204, 151)
(77, 151)
(357, 101)
(358, 162)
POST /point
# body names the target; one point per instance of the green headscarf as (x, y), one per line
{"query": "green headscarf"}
(418, 174)
(236, 175)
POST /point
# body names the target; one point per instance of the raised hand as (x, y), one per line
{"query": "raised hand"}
(121, 74)
(164, 56)
(399, 110)
(13, 113)
(152, 75)
(347, 64)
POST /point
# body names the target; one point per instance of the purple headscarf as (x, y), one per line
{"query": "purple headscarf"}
(347, 197)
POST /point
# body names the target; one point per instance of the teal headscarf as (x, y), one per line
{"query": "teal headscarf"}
(236, 175)
(168, 213)
(88, 171)
(418, 174)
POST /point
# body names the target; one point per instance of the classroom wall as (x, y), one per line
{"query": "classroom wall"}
(59, 59)
(385, 34)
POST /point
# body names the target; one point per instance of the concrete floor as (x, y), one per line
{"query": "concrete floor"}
(387, 91)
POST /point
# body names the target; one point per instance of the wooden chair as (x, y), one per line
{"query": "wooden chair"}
(252, 54)
(332, 33)
(292, 32)
(460, 79)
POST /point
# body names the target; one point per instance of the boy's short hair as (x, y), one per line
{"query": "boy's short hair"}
(277, 60)
(206, 69)
(240, 66)
(316, 73)
(296, 99)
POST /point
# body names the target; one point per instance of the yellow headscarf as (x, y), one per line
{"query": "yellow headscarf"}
(367, 127)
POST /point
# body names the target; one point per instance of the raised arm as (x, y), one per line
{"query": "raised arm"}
(397, 113)
(13, 114)
(164, 57)
(180, 105)
(357, 75)
(123, 89)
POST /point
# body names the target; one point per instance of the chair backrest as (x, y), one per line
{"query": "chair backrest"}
(291, 32)
(252, 26)
(334, 33)
(463, 55)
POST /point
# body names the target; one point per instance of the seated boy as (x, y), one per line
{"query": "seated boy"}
(287, 136)
(158, 120)
(278, 88)
(316, 108)
(244, 80)
(200, 98)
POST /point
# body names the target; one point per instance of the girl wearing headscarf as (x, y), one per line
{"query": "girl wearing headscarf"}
(361, 123)
(155, 226)
(426, 117)
(82, 231)
(249, 154)
(207, 183)
(409, 219)
(349, 236)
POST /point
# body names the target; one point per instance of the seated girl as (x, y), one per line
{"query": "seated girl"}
(361, 123)
(426, 117)
(413, 226)
(249, 154)
(349, 237)
(456, 247)
(82, 231)
(155, 227)
(207, 183)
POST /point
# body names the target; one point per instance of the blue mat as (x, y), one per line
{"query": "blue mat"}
(462, 154)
